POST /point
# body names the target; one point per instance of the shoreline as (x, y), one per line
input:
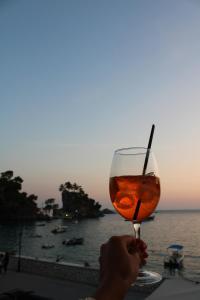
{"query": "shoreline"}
(64, 271)
(58, 270)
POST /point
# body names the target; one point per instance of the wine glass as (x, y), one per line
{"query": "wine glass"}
(135, 192)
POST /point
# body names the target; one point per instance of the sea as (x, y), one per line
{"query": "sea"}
(168, 227)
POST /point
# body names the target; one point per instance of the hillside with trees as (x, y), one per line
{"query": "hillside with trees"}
(76, 202)
(15, 204)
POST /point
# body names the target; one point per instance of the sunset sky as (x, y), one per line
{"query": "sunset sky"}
(79, 79)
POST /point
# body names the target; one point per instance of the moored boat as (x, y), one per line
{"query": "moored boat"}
(175, 256)
(36, 236)
(73, 242)
(59, 229)
(47, 246)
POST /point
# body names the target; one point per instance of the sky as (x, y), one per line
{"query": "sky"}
(79, 79)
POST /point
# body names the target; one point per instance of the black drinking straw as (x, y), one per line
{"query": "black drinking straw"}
(144, 170)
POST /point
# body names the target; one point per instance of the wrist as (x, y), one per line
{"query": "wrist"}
(111, 290)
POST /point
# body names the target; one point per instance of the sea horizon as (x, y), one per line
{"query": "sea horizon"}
(178, 210)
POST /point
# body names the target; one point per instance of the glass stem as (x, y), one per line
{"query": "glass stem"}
(136, 226)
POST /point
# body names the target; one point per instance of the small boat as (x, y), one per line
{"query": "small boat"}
(150, 218)
(41, 224)
(68, 217)
(36, 236)
(58, 258)
(47, 246)
(175, 256)
(58, 229)
(73, 242)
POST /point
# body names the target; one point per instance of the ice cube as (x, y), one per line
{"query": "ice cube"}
(124, 200)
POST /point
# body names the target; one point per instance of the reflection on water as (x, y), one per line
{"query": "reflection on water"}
(167, 228)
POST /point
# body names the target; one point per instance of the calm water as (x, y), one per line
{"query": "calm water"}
(167, 228)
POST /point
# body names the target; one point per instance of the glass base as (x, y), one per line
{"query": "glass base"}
(147, 278)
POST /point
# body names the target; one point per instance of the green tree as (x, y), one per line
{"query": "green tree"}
(50, 201)
(55, 206)
(14, 203)
(50, 205)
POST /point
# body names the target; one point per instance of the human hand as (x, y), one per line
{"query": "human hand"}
(120, 259)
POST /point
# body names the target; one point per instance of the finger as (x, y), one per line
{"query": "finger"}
(136, 259)
(143, 257)
(124, 239)
(141, 244)
(143, 263)
(124, 242)
(129, 243)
